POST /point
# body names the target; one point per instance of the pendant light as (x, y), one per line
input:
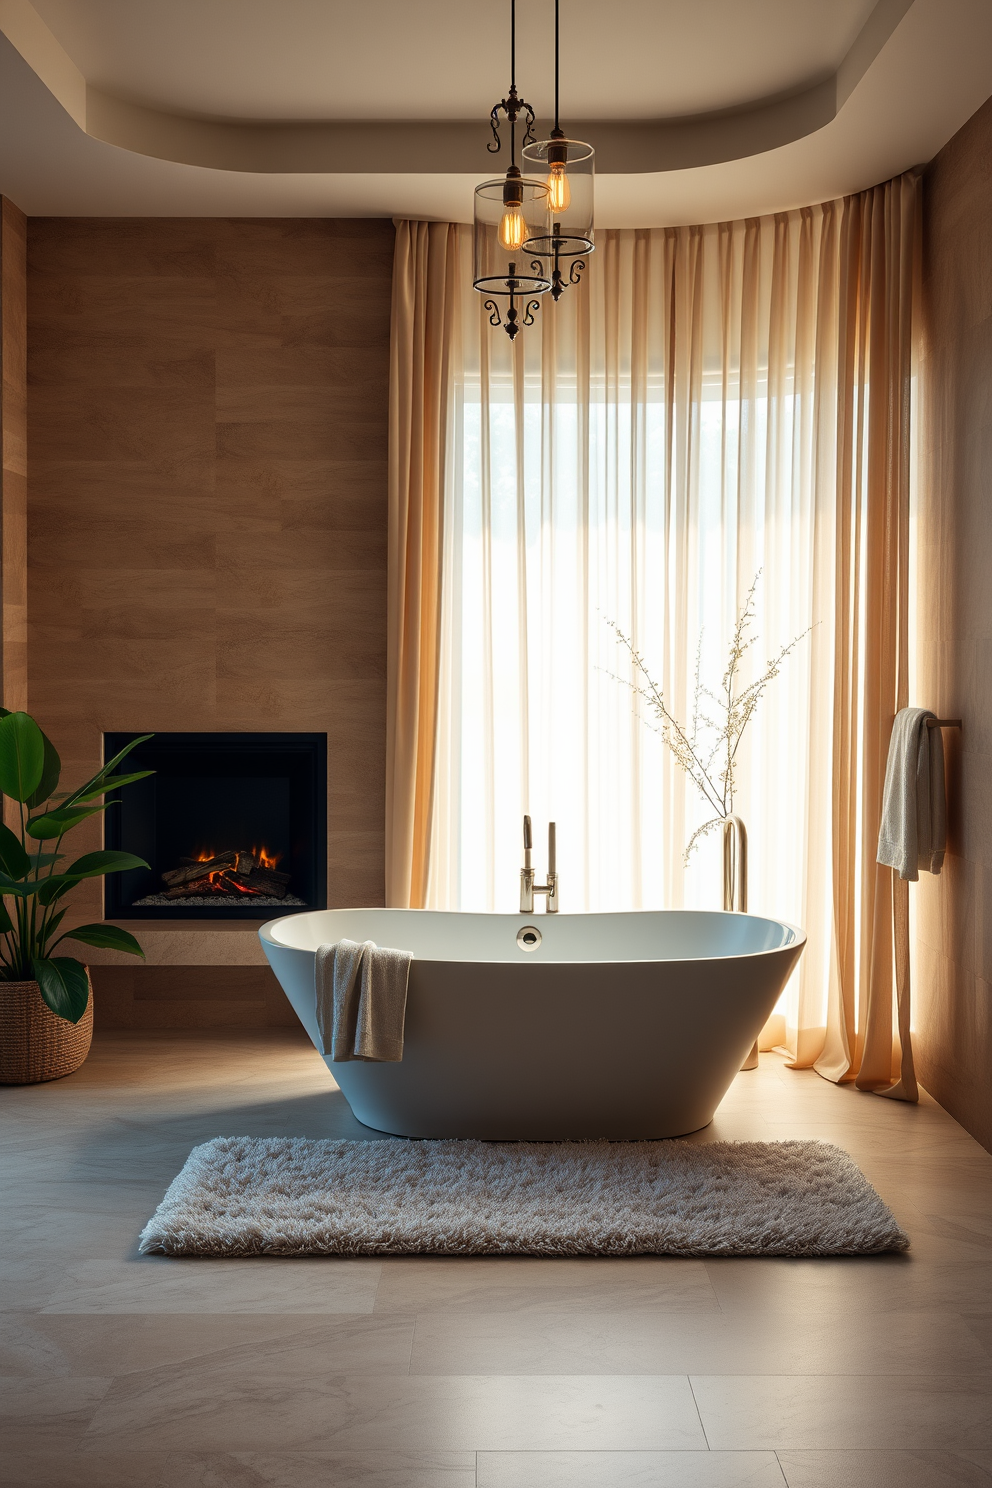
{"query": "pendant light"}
(510, 212)
(571, 169)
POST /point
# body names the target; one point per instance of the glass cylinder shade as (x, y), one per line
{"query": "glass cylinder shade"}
(569, 169)
(508, 213)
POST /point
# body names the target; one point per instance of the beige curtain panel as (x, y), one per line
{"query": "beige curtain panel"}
(709, 403)
(423, 336)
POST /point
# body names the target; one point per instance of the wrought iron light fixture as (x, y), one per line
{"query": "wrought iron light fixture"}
(511, 212)
(571, 170)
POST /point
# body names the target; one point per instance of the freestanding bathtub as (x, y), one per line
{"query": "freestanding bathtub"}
(552, 1027)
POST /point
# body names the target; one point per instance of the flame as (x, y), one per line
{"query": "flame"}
(264, 857)
(219, 881)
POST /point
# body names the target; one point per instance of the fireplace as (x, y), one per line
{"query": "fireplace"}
(232, 825)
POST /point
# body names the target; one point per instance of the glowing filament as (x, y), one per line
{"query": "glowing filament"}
(559, 191)
(512, 228)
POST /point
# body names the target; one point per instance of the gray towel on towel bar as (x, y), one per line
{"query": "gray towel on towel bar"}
(913, 831)
(361, 1000)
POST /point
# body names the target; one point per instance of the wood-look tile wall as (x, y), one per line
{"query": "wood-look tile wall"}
(13, 457)
(207, 997)
(953, 943)
(207, 404)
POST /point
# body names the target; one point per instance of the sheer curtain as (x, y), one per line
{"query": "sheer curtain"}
(695, 413)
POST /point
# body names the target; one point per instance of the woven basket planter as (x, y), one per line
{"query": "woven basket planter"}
(36, 1044)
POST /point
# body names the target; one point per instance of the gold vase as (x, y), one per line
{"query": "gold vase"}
(735, 886)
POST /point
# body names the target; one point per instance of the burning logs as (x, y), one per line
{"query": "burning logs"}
(194, 868)
(240, 871)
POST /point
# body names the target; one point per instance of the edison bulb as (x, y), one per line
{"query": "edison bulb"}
(512, 228)
(559, 191)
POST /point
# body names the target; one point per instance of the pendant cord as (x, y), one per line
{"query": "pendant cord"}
(513, 79)
(556, 64)
(513, 43)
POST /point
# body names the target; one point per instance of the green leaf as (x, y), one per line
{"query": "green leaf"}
(6, 923)
(53, 888)
(62, 819)
(95, 784)
(113, 782)
(96, 864)
(112, 764)
(40, 859)
(19, 890)
(53, 925)
(109, 937)
(22, 756)
(64, 985)
(51, 770)
(14, 861)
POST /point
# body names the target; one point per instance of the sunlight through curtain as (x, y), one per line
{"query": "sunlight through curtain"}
(696, 412)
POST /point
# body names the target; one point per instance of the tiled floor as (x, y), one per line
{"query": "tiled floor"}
(128, 1372)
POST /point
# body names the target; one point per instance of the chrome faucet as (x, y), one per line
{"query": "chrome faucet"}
(528, 888)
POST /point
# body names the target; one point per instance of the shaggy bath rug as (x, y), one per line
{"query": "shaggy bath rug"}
(279, 1196)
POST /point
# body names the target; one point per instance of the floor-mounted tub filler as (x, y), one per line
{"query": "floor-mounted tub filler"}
(626, 1026)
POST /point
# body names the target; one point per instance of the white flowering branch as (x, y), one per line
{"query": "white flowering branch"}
(713, 771)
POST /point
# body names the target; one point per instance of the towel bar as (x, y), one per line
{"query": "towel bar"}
(943, 723)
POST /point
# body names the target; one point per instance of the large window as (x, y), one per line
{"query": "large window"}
(644, 485)
(697, 411)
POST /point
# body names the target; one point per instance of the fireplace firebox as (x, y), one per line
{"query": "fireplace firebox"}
(233, 826)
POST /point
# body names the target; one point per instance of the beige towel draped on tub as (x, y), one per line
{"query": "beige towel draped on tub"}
(914, 818)
(361, 1000)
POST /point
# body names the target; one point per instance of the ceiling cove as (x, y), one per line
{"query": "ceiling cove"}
(697, 111)
(719, 132)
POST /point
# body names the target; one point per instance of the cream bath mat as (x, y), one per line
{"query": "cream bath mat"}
(287, 1196)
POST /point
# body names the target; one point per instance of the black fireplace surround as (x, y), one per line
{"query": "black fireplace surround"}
(210, 793)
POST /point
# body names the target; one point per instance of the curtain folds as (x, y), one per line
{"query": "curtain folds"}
(711, 402)
(880, 265)
(423, 333)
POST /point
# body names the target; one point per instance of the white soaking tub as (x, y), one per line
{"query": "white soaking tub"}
(552, 1027)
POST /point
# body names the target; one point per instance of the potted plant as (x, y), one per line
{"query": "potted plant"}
(46, 1001)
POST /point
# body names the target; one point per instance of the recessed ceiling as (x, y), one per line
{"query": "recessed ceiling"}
(449, 59)
(700, 110)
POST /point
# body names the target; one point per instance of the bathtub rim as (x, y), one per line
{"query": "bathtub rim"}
(798, 940)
